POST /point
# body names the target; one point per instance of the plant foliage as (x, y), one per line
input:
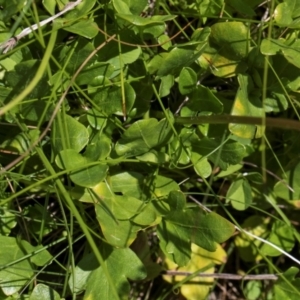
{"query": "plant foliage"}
(141, 138)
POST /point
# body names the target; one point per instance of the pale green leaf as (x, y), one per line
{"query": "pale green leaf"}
(17, 274)
(240, 194)
(69, 134)
(80, 172)
(187, 81)
(45, 292)
(121, 264)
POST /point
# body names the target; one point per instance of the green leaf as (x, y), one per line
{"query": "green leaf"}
(231, 153)
(201, 165)
(165, 42)
(180, 227)
(21, 76)
(142, 136)
(83, 269)
(253, 290)
(142, 22)
(229, 43)
(246, 104)
(209, 8)
(271, 46)
(96, 119)
(124, 207)
(290, 50)
(121, 264)
(242, 7)
(20, 142)
(98, 148)
(282, 235)
(156, 62)
(288, 288)
(202, 99)
(86, 176)
(8, 221)
(45, 292)
(180, 154)
(293, 180)
(164, 185)
(154, 157)
(86, 28)
(110, 99)
(240, 194)
(91, 74)
(110, 54)
(11, 8)
(174, 242)
(148, 216)
(187, 81)
(208, 229)
(80, 10)
(129, 183)
(287, 14)
(16, 275)
(135, 7)
(69, 134)
(248, 247)
(50, 6)
(81, 53)
(178, 58)
(121, 7)
(176, 200)
(233, 37)
(283, 14)
(165, 86)
(119, 233)
(40, 258)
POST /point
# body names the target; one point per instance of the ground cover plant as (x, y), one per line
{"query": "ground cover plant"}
(149, 149)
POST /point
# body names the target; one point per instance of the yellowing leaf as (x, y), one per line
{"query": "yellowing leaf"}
(200, 258)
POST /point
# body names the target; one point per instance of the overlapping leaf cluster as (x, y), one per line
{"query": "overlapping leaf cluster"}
(117, 150)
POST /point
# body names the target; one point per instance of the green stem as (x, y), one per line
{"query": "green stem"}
(226, 119)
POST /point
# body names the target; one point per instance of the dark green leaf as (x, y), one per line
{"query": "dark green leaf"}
(231, 153)
(142, 136)
(178, 58)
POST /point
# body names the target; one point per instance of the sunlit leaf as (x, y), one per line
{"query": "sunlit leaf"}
(121, 264)
(83, 175)
(200, 259)
(42, 291)
(19, 271)
(240, 194)
(246, 105)
(69, 134)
